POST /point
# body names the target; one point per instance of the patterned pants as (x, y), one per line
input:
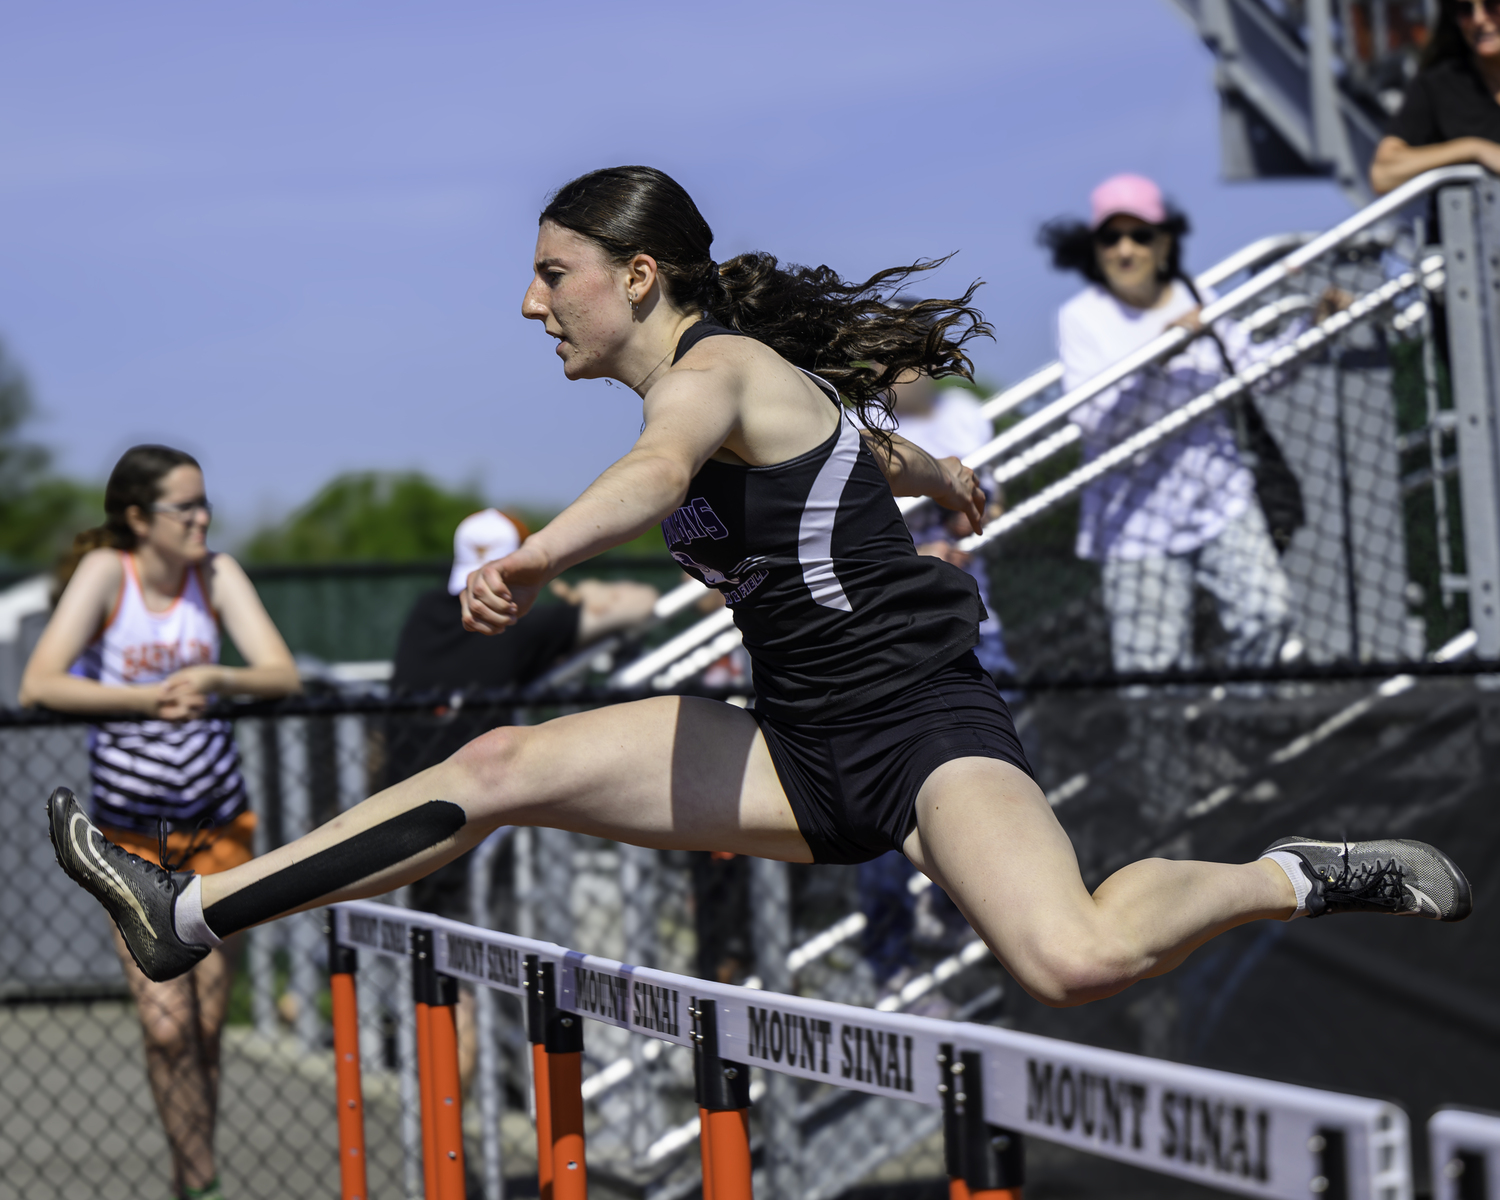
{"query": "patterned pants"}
(1150, 600)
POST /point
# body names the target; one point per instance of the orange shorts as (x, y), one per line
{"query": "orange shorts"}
(220, 849)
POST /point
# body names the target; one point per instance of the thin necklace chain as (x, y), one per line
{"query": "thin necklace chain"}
(637, 387)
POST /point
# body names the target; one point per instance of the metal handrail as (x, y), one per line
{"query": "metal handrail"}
(637, 673)
(1200, 406)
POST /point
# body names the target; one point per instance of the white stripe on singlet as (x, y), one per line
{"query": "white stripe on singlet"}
(815, 532)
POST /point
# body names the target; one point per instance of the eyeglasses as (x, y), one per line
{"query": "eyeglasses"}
(185, 511)
(1142, 235)
(1468, 10)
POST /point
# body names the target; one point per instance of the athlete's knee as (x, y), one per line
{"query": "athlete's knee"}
(169, 1031)
(1065, 973)
(491, 757)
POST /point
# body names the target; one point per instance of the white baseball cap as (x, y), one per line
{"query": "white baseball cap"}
(481, 538)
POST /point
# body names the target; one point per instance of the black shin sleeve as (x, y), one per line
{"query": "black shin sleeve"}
(337, 867)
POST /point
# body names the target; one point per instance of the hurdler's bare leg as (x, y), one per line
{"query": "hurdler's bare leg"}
(986, 834)
(669, 773)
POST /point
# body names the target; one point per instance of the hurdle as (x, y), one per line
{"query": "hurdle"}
(1465, 1148)
(994, 1087)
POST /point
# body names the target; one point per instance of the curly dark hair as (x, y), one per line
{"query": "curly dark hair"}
(1072, 244)
(1445, 41)
(855, 335)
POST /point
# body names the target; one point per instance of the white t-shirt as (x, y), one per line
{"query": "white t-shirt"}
(954, 426)
(1180, 495)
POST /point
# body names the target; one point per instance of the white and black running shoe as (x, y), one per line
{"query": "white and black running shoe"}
(138, 895)
(1388, 876)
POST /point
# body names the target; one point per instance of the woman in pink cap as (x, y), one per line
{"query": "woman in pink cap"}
(1187, 514)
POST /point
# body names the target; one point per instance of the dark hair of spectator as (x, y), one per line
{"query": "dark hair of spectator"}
(855, 335)
(1446, 40)
(1072, 244)
(134, 483)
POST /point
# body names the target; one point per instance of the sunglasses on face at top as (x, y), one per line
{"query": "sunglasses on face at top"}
(1468, 10)
(1142, 235)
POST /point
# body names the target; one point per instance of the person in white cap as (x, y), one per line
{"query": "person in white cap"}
(435, 652)
(1187, 513)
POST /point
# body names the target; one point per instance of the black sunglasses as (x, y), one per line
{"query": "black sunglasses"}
(1141, 235)
(1465, 10)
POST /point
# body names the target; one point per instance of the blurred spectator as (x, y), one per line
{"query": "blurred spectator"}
(1450, 113)
(948, 421)
(1191, 511)
(135, 636)
(435, 653)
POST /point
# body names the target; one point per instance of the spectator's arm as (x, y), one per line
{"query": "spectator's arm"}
(1396, 162)
(83, 609)
(606, 608)
(271, 671)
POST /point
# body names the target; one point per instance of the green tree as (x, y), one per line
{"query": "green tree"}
(39, 512)
(369, 516)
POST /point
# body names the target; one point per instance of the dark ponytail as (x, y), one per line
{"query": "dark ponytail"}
(855, 335)
(134, 483)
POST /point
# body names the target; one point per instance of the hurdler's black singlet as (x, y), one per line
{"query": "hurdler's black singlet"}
(836, 607)
(843, 622)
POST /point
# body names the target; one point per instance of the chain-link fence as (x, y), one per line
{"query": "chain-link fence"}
(77, 1115)
(1197, 771)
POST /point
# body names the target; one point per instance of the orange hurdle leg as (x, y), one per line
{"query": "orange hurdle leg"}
(541, 1082)
(565, 1088)
(727, 1164)
(706, 1154)
(342, 963)
(447, 1099)
(424, 1092)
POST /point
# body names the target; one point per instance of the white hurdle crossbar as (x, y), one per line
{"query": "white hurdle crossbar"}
(1252, 1136)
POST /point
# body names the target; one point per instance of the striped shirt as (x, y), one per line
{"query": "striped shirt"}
(143, 772)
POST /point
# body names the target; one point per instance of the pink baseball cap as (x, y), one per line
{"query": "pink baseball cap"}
(1133, 195)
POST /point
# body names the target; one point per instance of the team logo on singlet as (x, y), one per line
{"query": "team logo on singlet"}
(162, 658)
(695, 519)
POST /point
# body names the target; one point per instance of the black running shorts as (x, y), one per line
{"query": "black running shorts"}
(853, 781)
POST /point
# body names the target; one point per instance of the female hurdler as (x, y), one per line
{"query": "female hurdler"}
(873, 726)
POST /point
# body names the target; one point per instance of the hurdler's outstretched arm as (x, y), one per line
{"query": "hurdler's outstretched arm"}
(911, 471)
(687, 419)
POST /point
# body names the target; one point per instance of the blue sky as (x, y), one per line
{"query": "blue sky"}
(293, 238)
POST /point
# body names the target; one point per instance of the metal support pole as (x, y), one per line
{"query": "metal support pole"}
(723, 1111)
(350, 764)
(1330, 140)
(251, 737)
(953, 1140)
(994, 1158)
(771, 935)
(304, 930)
(541, 1076)
(638, 894)
(343, 964)
(1471, 252)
